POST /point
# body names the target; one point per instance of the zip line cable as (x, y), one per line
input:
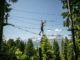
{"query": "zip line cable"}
(39, 13)
(18, 27)
(31, 18)
(30, 27)
(23, 29)
(15, 26)
(33, 24)
(24, 22)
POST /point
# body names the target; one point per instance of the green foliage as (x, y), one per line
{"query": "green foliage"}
(13, 50)
(45, 44)
(36, 56)
(70, 51)
(46, 48)
(66, 49)
(20, 44)
(56, 50)
(18, 54)
(10, 43)
(64, 14)
(75, 12)
(18, 50)
(29, 49)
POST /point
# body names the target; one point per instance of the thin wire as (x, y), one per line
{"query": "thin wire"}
(34, 20)
(30, 27)
(23, 29)
(19, 10)
(24, 21)
(15, 26)
(33, 27)
(34, 24)
(31, 18)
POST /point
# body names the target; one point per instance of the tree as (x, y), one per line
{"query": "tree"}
(29, 49)
(72, 23)
(4, 14)
(78, 48)
(36, 56)
(10, 43)
(46, 49)
(18, 54)
(11, 49)
(4, 51)
(70, 51)
(56, 50)
(64, 49)
(20, 44)
(67, 50)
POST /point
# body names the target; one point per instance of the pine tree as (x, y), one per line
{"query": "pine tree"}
(4, 14)
(20, 44)
(10, 43)
(62, 50)
(29, 49)
(70, 51)
(46, 49)
(56, 50)
(65, 48)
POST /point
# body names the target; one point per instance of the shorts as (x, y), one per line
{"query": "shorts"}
(41, 28)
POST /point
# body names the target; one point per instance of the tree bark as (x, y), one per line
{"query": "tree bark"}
(2, 4)
(72, 30)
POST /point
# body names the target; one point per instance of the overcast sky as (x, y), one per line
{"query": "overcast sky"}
(26, 15)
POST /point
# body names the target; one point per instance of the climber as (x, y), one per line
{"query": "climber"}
(42, 27)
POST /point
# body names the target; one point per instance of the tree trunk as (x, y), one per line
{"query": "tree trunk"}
(2, 4)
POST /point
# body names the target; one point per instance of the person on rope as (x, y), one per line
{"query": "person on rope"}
(42, 26)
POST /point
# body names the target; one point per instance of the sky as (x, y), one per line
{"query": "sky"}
(26, 15)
